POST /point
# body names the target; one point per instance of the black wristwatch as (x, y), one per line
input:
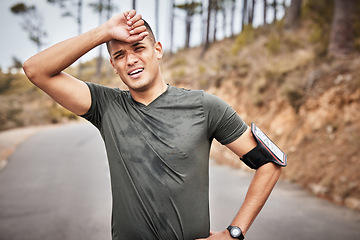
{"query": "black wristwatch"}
(235, 232)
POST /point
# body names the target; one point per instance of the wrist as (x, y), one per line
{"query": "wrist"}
(101, 33)
(235, 232)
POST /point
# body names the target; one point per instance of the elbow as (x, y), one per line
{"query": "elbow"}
(272, 170)
(30, 71)
(27, 69)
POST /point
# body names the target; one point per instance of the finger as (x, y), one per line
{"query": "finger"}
(138, 30)
(137, 24)
(130, 14)
(139, 37)
(134, 19)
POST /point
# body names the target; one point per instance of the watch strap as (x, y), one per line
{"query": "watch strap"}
(241, 236)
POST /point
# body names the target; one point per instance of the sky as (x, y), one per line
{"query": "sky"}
(15, 41)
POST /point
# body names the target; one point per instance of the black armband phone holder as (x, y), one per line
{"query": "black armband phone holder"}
(266, 151)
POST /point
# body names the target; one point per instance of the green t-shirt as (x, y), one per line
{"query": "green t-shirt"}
(159, 158)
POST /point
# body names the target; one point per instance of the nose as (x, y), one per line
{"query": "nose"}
(132, 59)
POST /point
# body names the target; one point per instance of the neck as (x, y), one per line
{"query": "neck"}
(149, 95)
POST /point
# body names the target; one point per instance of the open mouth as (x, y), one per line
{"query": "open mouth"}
(136, 72)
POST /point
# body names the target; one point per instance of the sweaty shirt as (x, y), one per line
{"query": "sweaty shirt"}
(159, 158)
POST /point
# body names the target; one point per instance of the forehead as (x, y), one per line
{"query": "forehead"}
(116, 45)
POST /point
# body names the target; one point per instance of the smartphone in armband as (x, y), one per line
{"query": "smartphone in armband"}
(278, 156)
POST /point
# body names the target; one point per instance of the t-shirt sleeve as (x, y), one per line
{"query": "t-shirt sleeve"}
(224, 124)
(101, 97)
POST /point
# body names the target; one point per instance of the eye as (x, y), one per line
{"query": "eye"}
(138, 49)
(120, 55)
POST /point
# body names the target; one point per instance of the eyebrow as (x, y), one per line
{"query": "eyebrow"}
(117, 52)
(136, 44)
(133, 45)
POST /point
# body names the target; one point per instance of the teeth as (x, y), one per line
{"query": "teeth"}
(136, 71)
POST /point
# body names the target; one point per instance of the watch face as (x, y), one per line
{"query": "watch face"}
(235, 232)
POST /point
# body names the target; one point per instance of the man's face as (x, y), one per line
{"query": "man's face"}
(136, 63)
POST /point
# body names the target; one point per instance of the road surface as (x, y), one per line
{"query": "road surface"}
(56, 186)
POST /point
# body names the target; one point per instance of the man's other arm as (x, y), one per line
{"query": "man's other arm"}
(45, 69)
(258, 192)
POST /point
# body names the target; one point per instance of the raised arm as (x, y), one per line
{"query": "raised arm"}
(45, 69)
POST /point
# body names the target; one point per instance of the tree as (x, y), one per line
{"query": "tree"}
(72, 9)
(265, 11)
(191, 9)
(292, 16)
(251, 12)
(233, 8)
(157, 18)
(172, 6)
(244, 12)
(32, 23)
(275, 4)
(207, 34)
(342, 30)
(100, 7)
(17, 64)
(223, 8)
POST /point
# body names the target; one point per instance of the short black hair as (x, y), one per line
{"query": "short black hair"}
(148, 29)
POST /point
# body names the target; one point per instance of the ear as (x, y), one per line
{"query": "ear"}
(112, 64)
(158, 50)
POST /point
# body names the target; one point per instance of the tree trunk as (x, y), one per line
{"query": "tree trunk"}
(341, 38)
(265, 11)
(207, 36)
(108, 16)
(172, 26)
(188, 29)
(157, 19)
(292, 16)
(224, 23)
(216, 10)
(233, 7)
(251, 12)
(244, 11)
(79, 23)
(99, 58)
(275, 4)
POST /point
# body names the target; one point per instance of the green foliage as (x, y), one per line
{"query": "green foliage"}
(357, 26)
(320, 14)
(56, 113)
(178, 73)
(191, 8)
(21, 8)
(17, 64)
(292, 43)
(32, 22)
(245, 37)
(178, 61)
(14, 84)
(201, 69)
(273, 44)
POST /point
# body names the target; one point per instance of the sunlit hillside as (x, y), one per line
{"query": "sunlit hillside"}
(307, 102)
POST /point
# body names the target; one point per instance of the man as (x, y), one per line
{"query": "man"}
(157, 136)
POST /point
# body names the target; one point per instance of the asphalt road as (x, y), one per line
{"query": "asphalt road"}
(56, 186)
